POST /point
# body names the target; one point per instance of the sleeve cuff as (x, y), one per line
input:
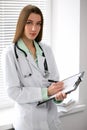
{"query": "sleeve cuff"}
(57, 101)
(45, 96)
(44, 93)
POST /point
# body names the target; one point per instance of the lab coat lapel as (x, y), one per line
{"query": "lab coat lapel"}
(41, 63)
(31, 60)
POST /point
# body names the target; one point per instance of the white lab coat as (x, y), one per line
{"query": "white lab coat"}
(26, 90)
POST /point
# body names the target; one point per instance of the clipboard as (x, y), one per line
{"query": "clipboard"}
(70, 84)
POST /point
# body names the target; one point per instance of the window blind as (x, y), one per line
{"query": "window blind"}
(9, 12)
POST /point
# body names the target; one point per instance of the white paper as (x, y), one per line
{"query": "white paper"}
(69, 83)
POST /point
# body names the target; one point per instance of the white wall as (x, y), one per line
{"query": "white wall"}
(77, 120)
(83, 48)
(83, 55)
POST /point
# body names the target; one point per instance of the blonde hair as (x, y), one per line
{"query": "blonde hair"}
(26, 11)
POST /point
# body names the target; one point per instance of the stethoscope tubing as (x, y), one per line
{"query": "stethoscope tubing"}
(16, 55)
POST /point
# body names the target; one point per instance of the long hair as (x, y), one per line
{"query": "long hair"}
(24, 14)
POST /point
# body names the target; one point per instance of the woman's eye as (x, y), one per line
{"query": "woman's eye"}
(39, 24)
(28, 22)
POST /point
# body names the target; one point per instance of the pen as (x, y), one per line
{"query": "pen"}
(49, 80)
(56, 82)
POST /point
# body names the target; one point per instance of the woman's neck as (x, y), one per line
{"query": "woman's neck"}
(28, 42)
(30, 45)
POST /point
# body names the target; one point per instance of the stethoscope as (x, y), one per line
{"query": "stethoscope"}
(46, 72)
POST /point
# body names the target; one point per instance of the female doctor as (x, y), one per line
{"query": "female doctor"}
(29, 65)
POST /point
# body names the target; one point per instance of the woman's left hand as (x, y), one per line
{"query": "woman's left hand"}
(60, 96)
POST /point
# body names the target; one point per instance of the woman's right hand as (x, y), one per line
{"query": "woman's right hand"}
(55, 88)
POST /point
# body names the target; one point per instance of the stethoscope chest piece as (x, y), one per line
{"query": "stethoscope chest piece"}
(46, 74)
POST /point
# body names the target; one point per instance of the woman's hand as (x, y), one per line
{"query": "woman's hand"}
(60, 96)
(54, 88)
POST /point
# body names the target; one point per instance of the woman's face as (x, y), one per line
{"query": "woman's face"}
(33, 26)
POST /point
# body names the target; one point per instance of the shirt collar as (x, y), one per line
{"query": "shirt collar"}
(22, 46)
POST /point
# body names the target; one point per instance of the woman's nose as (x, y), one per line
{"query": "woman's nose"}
(33, 28)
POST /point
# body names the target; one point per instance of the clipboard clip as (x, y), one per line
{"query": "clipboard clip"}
(80, 78)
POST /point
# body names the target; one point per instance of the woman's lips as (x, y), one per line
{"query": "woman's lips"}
(33, 34)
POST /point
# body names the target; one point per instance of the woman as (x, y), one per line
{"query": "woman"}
(29, 65)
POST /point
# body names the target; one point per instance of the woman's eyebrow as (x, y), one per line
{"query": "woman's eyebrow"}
(29, 20)
(32, 20)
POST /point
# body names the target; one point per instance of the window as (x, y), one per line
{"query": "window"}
(9, 12)
(66, 37)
